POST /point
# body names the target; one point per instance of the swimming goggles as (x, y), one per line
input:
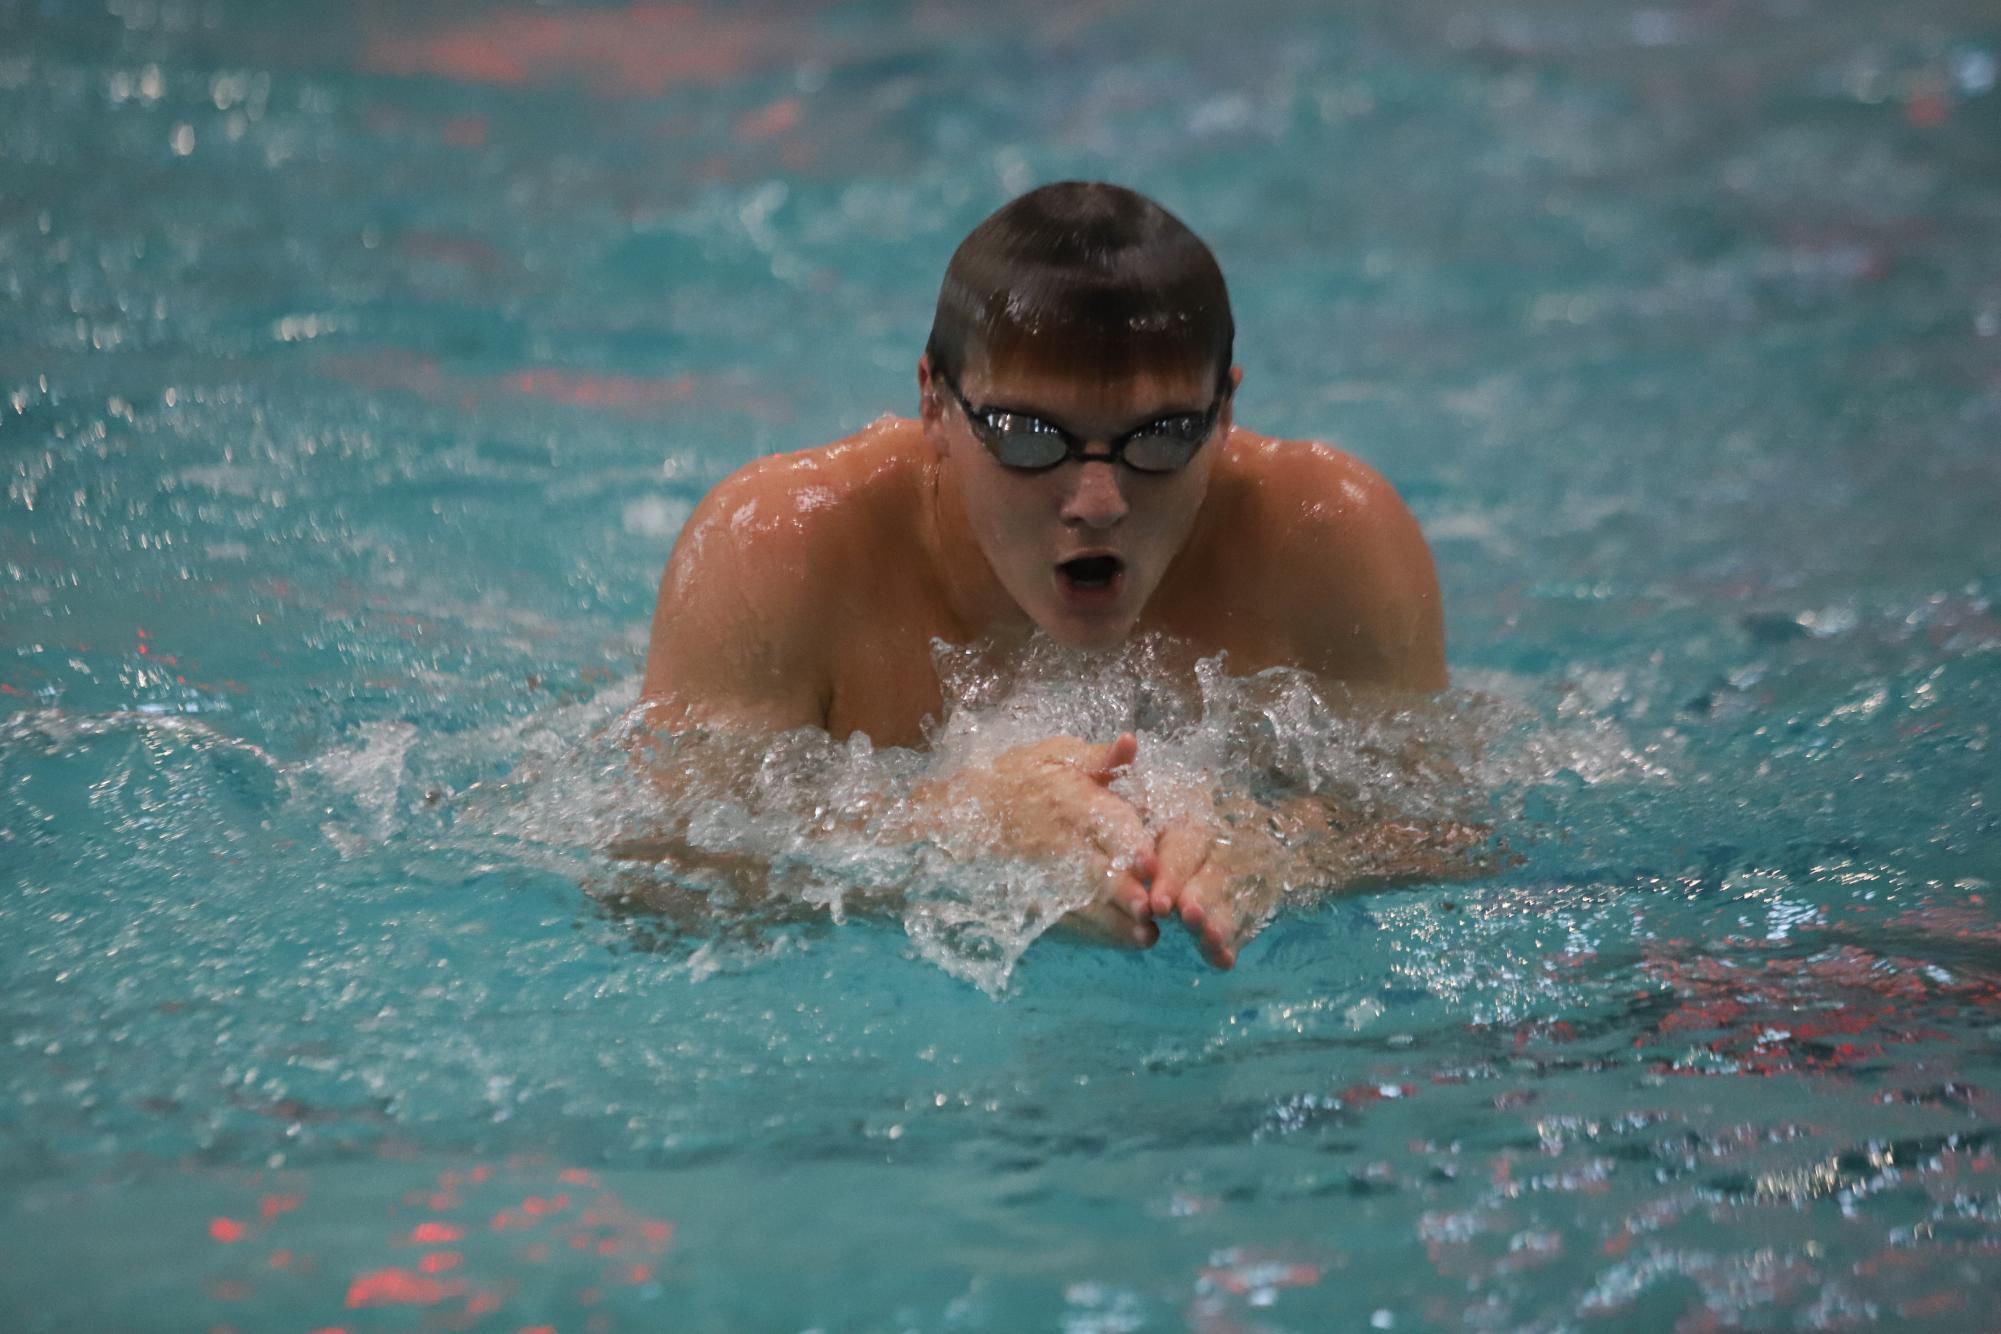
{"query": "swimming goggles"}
(1022, 441)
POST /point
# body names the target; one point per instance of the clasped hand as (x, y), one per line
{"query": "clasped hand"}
(1215, 868)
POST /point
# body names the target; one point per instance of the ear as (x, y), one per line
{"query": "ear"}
(930, 405)
(1227, 416)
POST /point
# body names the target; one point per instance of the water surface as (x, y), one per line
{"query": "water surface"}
(358, 365)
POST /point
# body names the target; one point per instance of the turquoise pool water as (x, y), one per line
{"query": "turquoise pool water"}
(359, 362)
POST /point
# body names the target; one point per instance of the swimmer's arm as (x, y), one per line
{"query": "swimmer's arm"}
(737, 637)
(1373, 626)
(1350, 854)
(1224, 868)
(1365, 589)
(1046, 801)
(729, 665)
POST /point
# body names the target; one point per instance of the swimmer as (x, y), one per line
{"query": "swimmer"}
(1075, 471)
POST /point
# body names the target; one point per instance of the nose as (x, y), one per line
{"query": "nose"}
(1095, 500)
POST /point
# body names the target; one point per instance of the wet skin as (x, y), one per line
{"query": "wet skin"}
(807, 589)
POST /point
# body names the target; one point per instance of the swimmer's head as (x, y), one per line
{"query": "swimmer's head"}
(1083, 279)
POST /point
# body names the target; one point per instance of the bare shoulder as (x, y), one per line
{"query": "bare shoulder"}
(745, 592)
(778, 518)
(1356, 564)
(1312, 477)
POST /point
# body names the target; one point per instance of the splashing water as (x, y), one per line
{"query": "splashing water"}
(802, 825)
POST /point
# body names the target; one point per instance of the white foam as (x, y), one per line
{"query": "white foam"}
(814, 816)
(370, 773)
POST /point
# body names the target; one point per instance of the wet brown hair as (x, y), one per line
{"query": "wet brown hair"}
(1083, 278)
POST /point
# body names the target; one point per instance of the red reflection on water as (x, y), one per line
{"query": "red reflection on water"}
(1249, 1277)
(1937, 1303)
(1763, 1013)
(1927, 110)
(392, 1287)
(465, 132)
(635, 395)
(474, 1278)
(585, 390)
(770, 120)
(641, 50)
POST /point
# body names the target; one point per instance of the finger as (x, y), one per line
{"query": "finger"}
(1146, 862)
(1096, 923)
(1169, 871)
(1130, 897)
(1114, 928)
(1125, 827)
(1159, 885)
(1117, 834)
(1211, 918)
(1180, 856)
(1121, 752)
(1127, 874)
(1217, 945)
(1193, 915)
(1165, 892)
(1214, 931)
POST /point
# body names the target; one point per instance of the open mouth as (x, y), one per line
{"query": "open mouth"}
(1091, 572)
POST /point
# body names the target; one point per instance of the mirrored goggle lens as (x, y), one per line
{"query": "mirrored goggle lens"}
(1160, 453)
(1029, 449)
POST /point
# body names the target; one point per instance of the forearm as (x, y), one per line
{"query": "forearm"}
(1341, 847)
(747, 816)
(801, 820)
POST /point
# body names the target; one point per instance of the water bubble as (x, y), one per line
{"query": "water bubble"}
(1973, 71)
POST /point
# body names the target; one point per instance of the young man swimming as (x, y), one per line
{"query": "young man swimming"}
(1075, 470)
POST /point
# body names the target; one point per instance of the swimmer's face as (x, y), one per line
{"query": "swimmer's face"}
(1079, 547)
